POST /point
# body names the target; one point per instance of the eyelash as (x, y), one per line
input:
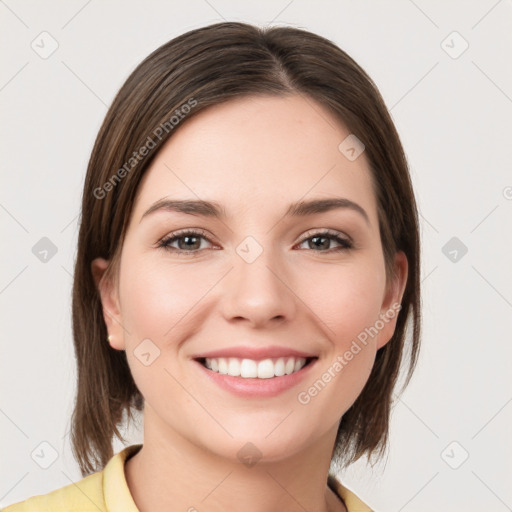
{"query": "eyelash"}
(331, 235)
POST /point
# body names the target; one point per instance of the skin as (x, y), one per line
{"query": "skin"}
(254, 156)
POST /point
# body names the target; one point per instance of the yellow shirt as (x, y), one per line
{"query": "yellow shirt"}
(107, 491)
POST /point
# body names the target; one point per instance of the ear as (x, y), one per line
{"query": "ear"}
(392, 300)
(110, 302)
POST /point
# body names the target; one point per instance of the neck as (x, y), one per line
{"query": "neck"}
(172, 474)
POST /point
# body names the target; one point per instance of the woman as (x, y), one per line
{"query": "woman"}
(248, 260)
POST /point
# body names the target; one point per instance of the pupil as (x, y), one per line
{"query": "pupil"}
(187, 240)
(316, 238)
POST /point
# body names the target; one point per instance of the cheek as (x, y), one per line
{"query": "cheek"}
(158, 306)
(156, 296)
(166, 303)
(348, 299)
(350, 307)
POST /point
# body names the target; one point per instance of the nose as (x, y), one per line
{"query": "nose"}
(258, 293)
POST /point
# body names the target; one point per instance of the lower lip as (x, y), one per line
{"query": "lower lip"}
(257, 388)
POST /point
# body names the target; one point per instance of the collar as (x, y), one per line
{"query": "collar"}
(115, 489)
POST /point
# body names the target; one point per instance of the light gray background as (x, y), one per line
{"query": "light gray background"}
(454, 116)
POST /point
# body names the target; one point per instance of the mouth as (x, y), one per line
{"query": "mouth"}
(256, 372)
(270, 368)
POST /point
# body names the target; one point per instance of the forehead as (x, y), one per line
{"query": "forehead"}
(258, 152)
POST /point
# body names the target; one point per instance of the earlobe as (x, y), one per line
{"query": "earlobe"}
(391, 305)
(109, 302)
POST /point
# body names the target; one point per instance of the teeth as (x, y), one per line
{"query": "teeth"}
(223, 366)
(233, 367)
(290, 366)
(266, 369)
(279, 367)
(250, 369)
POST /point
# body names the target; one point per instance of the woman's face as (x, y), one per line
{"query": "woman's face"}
(259, 288)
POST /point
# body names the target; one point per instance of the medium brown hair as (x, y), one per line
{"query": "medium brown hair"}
(205, 67)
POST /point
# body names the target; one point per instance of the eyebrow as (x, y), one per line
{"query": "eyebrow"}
(215, 210)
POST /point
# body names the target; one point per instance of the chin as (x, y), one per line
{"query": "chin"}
(262, 443)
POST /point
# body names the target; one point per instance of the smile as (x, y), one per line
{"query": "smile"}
(252, 369)
(257, 372)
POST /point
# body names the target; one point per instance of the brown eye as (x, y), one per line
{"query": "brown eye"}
(320, 242)
(188, 242)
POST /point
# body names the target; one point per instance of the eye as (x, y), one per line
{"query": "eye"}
(324, 238)
(189, 242)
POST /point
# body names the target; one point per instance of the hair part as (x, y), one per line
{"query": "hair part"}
(212, 65)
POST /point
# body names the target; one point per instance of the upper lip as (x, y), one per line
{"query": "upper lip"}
(255, 353)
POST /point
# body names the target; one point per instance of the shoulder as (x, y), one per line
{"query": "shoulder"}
(102, 491)
(352, 502)
(83, 496)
